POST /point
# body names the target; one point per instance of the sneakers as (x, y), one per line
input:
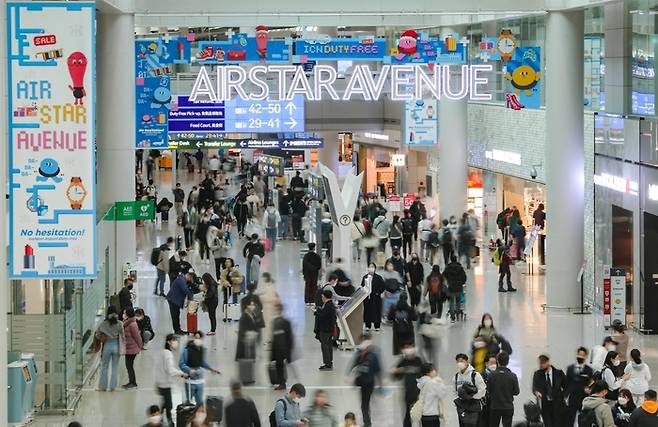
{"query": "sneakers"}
(280, 387)
(502, 290)
(128, 386)
(326, 368)
(511, 289)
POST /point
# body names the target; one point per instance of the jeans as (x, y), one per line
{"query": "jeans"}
(109, 354)
(366, 394)
(212, 313)
(130, 367)
(167, 403)
(498, 415)
(284, 228)
(247, 273)
(270, 233)
(327, 349)
(504, 271)
(196, 391)
(297, 228)
(179, 211)
(447, 252)
(162, 276)
(174, 311)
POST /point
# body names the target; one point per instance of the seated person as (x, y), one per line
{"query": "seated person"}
(145, 328)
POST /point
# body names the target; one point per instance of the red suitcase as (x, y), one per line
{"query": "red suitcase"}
(192, 323)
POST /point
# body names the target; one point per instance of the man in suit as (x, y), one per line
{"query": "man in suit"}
(549, 385)
(326, 319)
(579, 376)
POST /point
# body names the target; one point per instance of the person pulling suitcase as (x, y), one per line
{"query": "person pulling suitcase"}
(192, 362)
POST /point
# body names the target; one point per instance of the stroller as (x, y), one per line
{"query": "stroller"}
(457, 301)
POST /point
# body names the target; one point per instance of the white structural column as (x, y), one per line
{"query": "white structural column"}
(453, 166)
(4, 237)
(564, 156)
(116, 123)
(618, 50)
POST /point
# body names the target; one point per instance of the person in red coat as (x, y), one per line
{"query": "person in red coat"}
(133, 344)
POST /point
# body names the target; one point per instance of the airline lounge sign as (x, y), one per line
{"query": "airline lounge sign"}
(405, 82)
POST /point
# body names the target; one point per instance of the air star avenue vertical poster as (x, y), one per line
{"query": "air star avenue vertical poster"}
(52, 216)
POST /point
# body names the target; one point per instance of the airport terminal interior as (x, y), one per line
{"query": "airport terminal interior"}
(329, 214)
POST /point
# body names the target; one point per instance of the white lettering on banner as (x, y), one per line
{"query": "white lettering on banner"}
(503, 156)
(617, 183)
(406, 82)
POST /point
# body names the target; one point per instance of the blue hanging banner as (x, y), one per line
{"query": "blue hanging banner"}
(417, 48)
(523, 74)
(328, 49)
(244, 49)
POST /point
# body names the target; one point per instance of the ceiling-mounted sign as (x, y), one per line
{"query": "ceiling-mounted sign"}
(242, 48)
(420, 48)
(270, 165)
(523, 74)
(328, 49)
(51, 103)
(194, 141)
(421, 122)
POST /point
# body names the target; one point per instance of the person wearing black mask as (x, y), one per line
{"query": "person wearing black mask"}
(414, 279)
(548, 384)
(125, 295)
(578, 377)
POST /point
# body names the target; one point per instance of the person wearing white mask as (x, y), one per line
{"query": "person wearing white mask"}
(192, 362)
(287, 412)
(467, 374)
(165, 370)
(599, 352)
(372, 305)
(154, 417)
(610, 376)
(491, 365)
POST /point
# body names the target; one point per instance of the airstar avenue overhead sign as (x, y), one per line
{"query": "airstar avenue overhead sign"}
(404, 82)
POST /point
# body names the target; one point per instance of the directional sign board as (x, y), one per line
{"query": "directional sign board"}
(237, 115)
(194, 141)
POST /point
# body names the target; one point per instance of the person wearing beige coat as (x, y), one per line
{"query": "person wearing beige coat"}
(269, 297)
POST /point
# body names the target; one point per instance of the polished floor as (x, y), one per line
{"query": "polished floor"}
(518, 316)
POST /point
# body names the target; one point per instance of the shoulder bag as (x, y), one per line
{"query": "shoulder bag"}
(416, 411)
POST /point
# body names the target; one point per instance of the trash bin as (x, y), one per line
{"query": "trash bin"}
(32, 386)
(18, 381)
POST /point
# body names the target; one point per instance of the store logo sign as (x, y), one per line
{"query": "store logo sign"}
(617, 183)
(404, 83)
(503, 156)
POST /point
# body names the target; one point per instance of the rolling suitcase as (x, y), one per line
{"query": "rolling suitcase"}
(214, 409)
(192, 323)
(274, 378)
(185, 410)
(246, 366)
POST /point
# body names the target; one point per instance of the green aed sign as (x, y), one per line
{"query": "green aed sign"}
(134, 210)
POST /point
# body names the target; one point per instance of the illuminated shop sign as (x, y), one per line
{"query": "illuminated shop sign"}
(503, 156)
(617, 183)
(405, 83)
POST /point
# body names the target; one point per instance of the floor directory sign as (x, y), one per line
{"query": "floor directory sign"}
(421, 122)
(51, 99)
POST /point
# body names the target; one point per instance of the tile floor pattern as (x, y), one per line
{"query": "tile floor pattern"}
(517, 316)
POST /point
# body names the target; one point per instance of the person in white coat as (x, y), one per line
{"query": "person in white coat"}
(269, 297)
(432, 392)
(640, 376)
(165, 370)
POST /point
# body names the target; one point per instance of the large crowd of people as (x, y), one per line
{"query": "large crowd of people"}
(409, 292)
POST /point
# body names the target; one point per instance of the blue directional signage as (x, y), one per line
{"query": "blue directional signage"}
(209, 140)
(237, 115)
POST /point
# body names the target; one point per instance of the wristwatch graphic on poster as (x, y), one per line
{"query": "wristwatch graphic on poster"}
(76, 193)
(506, 45)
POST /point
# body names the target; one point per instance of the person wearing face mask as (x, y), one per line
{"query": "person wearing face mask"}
(248, 330)
(178, 294)
(467, 374)
(402, 315)
(503, 386)
(154, 417)
(366, 370)
(599, 352)
(133, 345)
(372, 305)
(393, 285)
(287, 412)
(192, 362)
(145, 327)
(595, 410)
(622, 340)
(125, 295)
(640, 376)
(578, 376)
(414, 279)
(455, 276)
(491, 366)
(160, 258)
(548, 385)
(110, 333)
(609, 374)
(623, 408)
(165, 370)
(408, 370)
(435, 291)
(325, 320)
(432, 391)
(398, 262)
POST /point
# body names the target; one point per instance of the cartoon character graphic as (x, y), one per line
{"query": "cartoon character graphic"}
(49, 169)
(408, 43)
(77, 63)
(524, 76)
(261, 42)
(219, 55)
(161, 98)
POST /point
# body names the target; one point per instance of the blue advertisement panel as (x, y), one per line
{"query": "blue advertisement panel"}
(417, 48)
(328, 49)
(243, 49)
(51, 102)
(153, 68)
(421, 122)
(523, 75)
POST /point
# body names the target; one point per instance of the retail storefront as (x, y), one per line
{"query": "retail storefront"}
(626, 219)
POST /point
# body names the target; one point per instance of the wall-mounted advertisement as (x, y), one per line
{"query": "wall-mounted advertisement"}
(51, 99)
(421, 122)
(245, 49)
(328, 49)
(153, 69)
(413, 47)
(523, 75)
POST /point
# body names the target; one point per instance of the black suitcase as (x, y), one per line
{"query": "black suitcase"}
(214, 409)
(274, 378)
(246, 371)
(184, 413)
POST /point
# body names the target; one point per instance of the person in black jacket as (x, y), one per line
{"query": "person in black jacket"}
(125, 295)
(549, 385)
(326, 320)
(298, 208)
(248, 329)
(402, 316)
(367, 369)
(241, 213)
(283, 344)
(408, 369)
(211, 299)
(311, 266)
(372, 305)
(241, 412)
(503, 386)
(398, 262)
(414, 279)
(252, 248)
(455, 277)
(579, 375)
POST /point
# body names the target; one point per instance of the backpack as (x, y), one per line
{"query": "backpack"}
(273, 413)
(587, 418)
(155, 255)
(497, 257)
(434, 239)
(407, 226)
(472, 380)
(402, 321)
(435, 285)
(446, 236)
(271, 220)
